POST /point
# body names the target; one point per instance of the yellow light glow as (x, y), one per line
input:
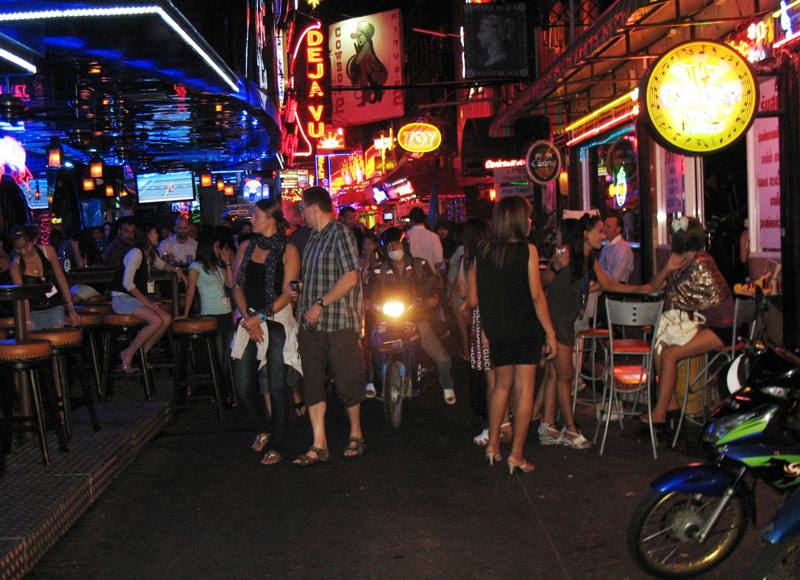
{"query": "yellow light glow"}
(700, 97)
(394, 309)
(631, 96)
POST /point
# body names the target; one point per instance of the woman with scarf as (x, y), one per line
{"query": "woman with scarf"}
(266, 337)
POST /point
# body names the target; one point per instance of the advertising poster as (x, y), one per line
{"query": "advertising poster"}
(366, 56)
(674, 181)
(495, 41)
(768, 183)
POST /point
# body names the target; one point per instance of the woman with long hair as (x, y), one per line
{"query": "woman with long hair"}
(211, 276)
(515, 320)
(38, 264)
(265, 265)
(129, 292)
(694, 284)
(575, 267)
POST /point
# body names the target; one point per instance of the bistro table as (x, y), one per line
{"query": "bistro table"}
(18, 295)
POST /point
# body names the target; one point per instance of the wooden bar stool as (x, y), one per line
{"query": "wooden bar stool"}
(99, 308)
(127, 325)
(28, 357)
(92, 324)
(189, 330)
(67, 342)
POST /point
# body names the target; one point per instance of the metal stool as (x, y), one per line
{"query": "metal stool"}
(192, 329)
(68, 342)
(126, 324)
(92, 324)
(25, 359)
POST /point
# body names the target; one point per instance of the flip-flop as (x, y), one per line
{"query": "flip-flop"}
(355, 448)
(271, 457)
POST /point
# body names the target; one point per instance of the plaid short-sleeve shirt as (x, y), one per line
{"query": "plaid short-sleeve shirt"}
(329, 255)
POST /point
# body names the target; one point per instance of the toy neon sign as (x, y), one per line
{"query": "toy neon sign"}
(700, 97)
(419, 137)
(12, 161)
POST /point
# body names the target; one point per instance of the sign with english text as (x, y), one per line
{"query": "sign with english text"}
(366, 55)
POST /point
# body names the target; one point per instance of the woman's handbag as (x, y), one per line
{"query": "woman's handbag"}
(677, 327)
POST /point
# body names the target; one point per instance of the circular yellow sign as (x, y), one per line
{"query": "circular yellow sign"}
(700, 97)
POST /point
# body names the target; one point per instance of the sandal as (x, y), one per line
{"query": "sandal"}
(306, 460)
(482, 438)
(271, 457)
(574, 439)
(355, 447)
(260, 442)
(506, 433)
(548, 435)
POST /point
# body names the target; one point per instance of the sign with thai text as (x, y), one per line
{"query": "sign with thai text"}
(700, 97)
(419, 137)
(766, 134)
(754, 42)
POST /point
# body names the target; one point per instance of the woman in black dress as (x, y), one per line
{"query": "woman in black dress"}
(515, 320)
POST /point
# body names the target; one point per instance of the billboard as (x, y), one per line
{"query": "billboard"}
(366, 56)
(495, 41)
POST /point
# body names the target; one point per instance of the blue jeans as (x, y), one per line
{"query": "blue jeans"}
(251, 384)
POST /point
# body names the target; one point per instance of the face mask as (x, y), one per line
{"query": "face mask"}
(395, 255)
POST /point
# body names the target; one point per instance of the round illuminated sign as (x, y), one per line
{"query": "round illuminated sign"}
(419, 137)
(543, 162)
(700, 97)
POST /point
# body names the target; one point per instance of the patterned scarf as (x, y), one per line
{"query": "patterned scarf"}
(275, 244)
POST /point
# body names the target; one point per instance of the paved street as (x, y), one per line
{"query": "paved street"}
(421, 504)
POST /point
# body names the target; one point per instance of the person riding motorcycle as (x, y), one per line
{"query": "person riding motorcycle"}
(400, 274)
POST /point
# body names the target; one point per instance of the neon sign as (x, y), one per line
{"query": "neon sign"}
(315, 71)
(332, 140)
(12, 157)
(503, 163)
(619, 188)
(755, 43)
(700, 97)
(787, 26)
(419, 137)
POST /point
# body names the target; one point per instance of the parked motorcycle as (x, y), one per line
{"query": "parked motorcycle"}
(395, 353)
(697, 515)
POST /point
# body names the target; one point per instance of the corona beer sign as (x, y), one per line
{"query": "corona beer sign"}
(700, 97)
(419, 137)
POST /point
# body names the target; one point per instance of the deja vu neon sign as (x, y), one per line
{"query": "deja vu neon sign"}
(315, 72)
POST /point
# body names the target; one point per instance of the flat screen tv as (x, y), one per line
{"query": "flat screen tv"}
(169, 187)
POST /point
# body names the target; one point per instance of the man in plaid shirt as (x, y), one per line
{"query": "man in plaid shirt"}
(331, 309)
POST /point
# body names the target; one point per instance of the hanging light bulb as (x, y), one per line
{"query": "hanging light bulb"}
(88, 184)
(220, 185)
(55, 153)
(109, 191)
(229, 190)
(205, 179)
(96, 167)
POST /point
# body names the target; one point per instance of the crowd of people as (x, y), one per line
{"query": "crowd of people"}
(292, 308)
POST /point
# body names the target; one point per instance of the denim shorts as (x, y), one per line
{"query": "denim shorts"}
(125, 303)
(48, 318)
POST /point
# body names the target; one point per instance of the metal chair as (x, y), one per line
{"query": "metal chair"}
(630, 378)
(591, 336)
(744, 312)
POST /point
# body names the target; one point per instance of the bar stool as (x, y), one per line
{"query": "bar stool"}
(92, 324)
(186, 331)
(67, 342)
(127, 325)
(28, 357)
(99, 308)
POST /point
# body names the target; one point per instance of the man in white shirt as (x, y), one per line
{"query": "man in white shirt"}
(616, 258)
(179, 249)
(424, 243)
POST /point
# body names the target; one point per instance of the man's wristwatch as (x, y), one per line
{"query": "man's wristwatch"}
(320, 302)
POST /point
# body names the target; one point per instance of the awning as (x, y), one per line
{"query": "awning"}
(612, 57)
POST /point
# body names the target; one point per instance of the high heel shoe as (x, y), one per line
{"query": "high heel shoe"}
(492, 456)
(524, 467)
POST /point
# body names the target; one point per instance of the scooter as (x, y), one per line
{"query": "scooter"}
(697, 515)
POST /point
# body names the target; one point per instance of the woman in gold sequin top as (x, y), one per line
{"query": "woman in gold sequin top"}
(693, 283)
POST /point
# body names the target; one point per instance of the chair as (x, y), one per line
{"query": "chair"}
(629, 378)
(92, 325)
(744, 312)
(25, 359)
(187, 331)
(115, 325)
(66, 342)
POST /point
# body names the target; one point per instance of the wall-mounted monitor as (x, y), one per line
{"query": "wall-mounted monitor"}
(165, 187)
(388, 216)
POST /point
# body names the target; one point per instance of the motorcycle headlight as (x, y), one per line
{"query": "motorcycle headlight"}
(733, 378)
(777, 392)
(722, 427)
(393, 309)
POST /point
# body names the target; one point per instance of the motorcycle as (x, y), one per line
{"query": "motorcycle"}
(395, 345)
(697, 515)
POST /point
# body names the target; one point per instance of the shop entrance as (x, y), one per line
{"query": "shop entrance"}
(725, 202)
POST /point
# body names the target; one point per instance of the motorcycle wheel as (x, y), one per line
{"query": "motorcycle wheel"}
(660, 535)
(776, 562)
(393, 394)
